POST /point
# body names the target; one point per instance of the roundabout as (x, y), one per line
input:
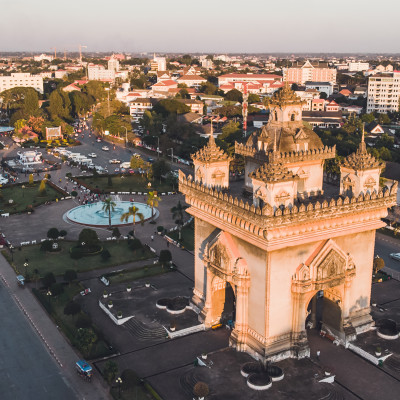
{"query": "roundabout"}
(94, 215)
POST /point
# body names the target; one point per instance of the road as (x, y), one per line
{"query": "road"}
(384, 245)
(27, 371)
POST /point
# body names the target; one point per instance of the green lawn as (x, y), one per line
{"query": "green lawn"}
(131, 275)
(124, 183)
(187, 236)
(24, 197)
(55, 307)
(58, 263)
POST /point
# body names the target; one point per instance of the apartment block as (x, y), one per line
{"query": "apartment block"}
(383, 92)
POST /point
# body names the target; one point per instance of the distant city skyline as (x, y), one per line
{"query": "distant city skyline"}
(208, 27)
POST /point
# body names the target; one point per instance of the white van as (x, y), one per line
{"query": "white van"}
(125, 165)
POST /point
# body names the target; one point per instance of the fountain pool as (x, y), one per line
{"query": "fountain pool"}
(93, 214)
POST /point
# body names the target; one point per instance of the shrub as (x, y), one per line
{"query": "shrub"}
(129, 379)
(160, 228)
(70, 275)
(165, 257)
(53, 233)
(56, 289)
(46, 245)
(29, 208)
(83, 321)
(379, 263)
(72, 308)
(63, 233)
(76, 253)
(74, 193)
(110, 371)
(116, 233)
(105, 255)
(68, 175)
(135, 244)
(48, 279)
(89, 237)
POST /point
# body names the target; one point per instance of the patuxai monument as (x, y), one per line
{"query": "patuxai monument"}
(283, 244)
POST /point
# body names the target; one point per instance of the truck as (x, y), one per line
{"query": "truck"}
(84, 370)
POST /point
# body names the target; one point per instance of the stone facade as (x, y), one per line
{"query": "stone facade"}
(280, 249)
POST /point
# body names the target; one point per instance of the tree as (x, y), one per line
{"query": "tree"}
(116, 233)
(129, 379)
(200, 390)
(83, 321)
(152, 200)
(253, 98)
(108, 207)
(110, 371)
(89, 237)
(105, 255)
(160, 168)
(42, 187)
(137, 162)
(368, 118)
(31, 103)
(53, 233)
(234, 95)
(165, 257)
(56, 106)
(384, 119)
(56, 289)
(170, 106)
(177, 214)
(132, 212)
(48, 279)
(379, 263)
(86, 338)
(208, 88)
(70, 275)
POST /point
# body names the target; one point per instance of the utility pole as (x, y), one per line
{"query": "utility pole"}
(172, 154)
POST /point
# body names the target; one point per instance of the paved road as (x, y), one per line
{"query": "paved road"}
(27, 371)
(41, 361)
(384, 245)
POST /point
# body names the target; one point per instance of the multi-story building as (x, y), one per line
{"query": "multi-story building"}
(113, 64)
(358, 66)
(325, 87)
(99, 73)
(21, 80)
(383, 92)
(139, 106)
(230, 78)
(158, 64)
(309, 72)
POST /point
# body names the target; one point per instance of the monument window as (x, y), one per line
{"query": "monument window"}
(293, 117)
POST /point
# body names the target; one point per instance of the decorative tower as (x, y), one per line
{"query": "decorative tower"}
(273, 183)
(245, 108)
(211, 165)
(360, 172)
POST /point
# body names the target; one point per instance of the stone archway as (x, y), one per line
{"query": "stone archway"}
(225, 267)
(331, 270)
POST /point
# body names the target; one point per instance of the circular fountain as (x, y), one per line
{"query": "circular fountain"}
(94, 215)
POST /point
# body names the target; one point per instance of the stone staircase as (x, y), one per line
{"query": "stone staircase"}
(144, 333)
(332, 392)
(187, 382)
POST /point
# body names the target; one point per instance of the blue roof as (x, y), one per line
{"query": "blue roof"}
(6, 129)
(84, 366)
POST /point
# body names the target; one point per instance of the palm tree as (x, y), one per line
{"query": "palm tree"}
(177, 215)
(132, 211)
(108, 207)
(152, 201)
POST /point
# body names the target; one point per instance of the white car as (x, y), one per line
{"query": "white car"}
(395, 256)
(93, 155)
(115, 161)
(105, 148)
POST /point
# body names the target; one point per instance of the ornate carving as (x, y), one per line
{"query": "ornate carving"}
(332, 266)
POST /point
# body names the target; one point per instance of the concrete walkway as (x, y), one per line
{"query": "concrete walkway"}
(64, 355)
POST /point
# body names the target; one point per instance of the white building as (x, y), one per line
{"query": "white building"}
(138, 107)
(99, 73)
(21, 80)
(325, 87)
(159, 64)
(358, 66)
(383, 92)
(43, 57)
(113, 64)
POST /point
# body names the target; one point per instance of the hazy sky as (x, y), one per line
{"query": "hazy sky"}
(201, 26)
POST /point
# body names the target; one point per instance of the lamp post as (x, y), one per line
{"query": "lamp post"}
(119, 383)
(172, 154)
(23, 191)
(126, 135)
(108, 96)
(48, 294)
(12, 252)
(158, 145)
(26, 267)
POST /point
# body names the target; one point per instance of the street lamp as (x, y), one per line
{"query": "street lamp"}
(119, 383)
(158, 145)
(126, 135)
(48, 294)
(12, 252)
(108, 96)
(23, 191)
(26, 267)
(172, 154)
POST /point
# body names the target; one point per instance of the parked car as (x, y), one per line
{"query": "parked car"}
(115, 161)
(105, 280)
(98, 140)
(85, 292)
(93, 155)
(395, 256)
(105, 148)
